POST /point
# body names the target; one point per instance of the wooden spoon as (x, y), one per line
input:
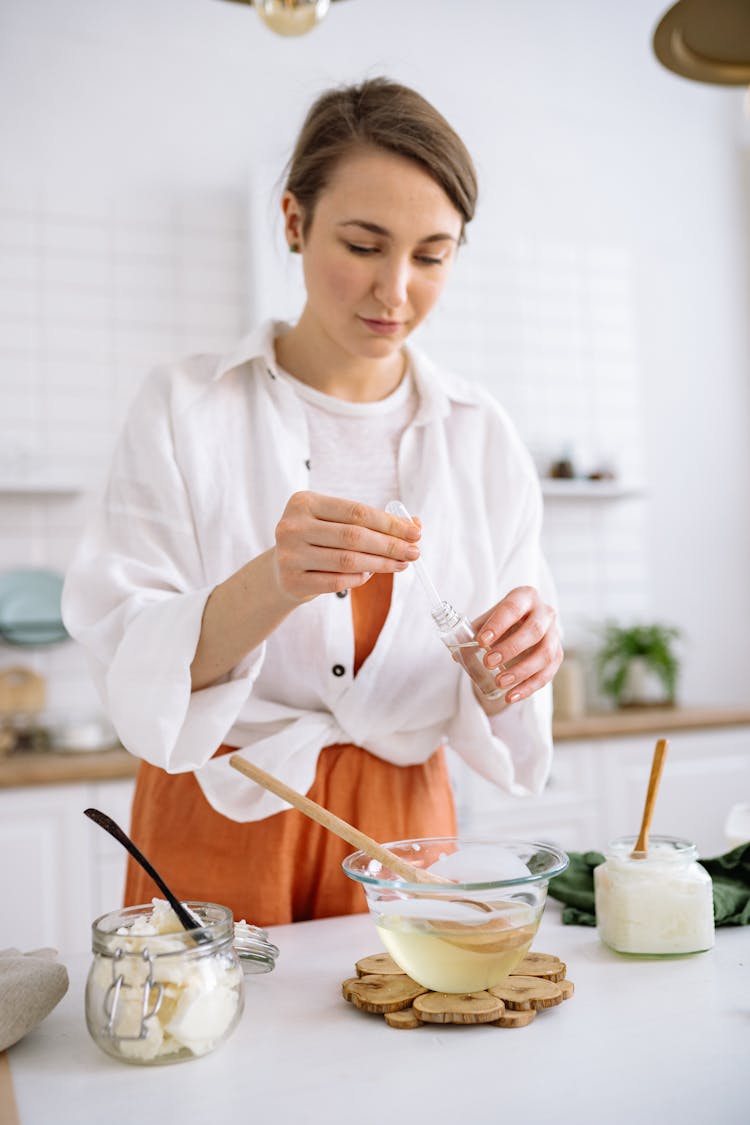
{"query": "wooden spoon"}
(336, 825)
(640, 851)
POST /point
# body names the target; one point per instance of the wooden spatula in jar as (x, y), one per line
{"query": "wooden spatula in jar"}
(640, 851)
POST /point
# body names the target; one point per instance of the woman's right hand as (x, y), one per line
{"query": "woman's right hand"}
(325, 544)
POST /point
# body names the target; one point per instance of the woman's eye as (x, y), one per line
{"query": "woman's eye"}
(355, 248)
(426, 260)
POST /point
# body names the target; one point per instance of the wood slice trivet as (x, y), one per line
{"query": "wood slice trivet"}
(381, 987)
(381, 994)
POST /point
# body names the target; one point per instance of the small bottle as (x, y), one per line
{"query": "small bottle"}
(457, 634)
(659, 905)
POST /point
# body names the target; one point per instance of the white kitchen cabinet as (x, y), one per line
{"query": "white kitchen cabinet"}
(598, 785)
(705, 773)
(58, 870)
(565, 813)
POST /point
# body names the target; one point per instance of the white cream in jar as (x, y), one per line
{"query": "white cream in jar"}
(659, 905)
(156, 994)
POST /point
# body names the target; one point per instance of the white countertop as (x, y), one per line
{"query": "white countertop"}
(641, 1041)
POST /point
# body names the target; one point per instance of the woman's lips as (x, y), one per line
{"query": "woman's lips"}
(382, 327)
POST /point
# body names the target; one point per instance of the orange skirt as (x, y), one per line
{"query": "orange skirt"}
(287, 868)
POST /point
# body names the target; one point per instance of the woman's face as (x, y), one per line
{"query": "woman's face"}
(377, 253)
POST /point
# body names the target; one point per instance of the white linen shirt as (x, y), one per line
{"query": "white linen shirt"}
(212, 449)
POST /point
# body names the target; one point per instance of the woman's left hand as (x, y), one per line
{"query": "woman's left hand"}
(523, 643)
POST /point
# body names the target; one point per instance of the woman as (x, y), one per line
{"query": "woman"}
(242, 585)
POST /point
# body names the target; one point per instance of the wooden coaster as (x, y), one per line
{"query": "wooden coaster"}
(381, 963)
(458, 1007)
(520, 992)
(381, 994)
(382, 988)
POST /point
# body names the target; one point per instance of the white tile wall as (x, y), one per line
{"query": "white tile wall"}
(549, 328)
(93, 293)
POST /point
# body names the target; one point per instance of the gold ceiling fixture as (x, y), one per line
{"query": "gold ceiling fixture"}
(289, 17)
(706, 40)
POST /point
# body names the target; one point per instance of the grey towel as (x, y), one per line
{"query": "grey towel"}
(31, 985)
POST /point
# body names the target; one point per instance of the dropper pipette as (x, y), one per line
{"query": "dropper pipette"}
(396, 508)
(456, 631)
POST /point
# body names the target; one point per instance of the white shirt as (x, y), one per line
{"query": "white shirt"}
(212, 449)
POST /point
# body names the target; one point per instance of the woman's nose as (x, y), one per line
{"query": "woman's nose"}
(392, 283)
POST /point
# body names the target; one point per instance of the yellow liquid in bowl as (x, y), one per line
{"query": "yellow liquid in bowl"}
(453, 957)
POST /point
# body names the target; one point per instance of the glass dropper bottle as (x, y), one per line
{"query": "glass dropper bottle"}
(456, 631)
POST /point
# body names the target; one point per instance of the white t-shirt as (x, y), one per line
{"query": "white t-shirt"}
(354, 445)
(211, 451)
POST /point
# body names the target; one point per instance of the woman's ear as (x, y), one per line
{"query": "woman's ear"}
(293, 221)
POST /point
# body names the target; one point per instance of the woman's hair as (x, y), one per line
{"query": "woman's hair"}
(384, 115)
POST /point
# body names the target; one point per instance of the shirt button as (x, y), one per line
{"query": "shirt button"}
(341, 593)
(338, 669)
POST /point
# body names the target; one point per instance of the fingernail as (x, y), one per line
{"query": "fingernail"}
(486, 638)
(494, 660)
(514, 697)
(507, 679)
(412, 553)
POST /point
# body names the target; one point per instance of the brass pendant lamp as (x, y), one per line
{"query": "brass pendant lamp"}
(289, 17)
(706, 40)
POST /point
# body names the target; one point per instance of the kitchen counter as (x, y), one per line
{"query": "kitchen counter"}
(642, 1040)
(54, 768)
(648, 720)
(51, 768)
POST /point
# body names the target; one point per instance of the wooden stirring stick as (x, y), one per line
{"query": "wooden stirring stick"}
(640, 851)
(335, 824)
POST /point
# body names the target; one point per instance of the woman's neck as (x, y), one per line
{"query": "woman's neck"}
(316, 360)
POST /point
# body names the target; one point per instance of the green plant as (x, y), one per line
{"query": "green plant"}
(653, 643)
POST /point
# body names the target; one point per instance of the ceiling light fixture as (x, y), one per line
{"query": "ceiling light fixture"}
(289, 17)
(706, 40)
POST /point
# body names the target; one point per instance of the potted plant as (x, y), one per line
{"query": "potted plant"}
(637, 666)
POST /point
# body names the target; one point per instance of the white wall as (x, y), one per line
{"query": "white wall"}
(602, 296)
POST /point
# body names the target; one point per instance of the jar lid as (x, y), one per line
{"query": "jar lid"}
(256, 953)
(660, 849)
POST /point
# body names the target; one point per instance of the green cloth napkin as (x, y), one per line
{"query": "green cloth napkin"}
(730, 875)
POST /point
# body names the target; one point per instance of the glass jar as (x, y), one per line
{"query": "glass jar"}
(659, 905)
(157, 993)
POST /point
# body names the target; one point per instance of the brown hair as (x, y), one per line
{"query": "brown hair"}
(388, 116)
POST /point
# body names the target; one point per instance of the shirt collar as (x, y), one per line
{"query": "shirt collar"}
(436, 388)
(258, 344)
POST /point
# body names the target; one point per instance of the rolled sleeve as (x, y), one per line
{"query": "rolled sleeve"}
(136, 591)
(148, 687)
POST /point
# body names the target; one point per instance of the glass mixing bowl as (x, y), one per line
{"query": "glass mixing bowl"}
(466, 935)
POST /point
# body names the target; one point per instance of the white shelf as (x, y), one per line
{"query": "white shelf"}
(589, 489)
(39, 488)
